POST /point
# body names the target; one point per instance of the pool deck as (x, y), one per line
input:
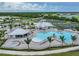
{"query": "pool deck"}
(20, 44)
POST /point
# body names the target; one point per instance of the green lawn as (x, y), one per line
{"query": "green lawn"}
(77, 16)
(59, 54)
(7, 55)
(76, 53)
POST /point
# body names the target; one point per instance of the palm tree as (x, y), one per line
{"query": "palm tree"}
(4, 20)
(49, 40)
(62, 39)
(11, 23)
(10, 26)
(24, 23)
(28, 42)
(73, 39)
(54, 36)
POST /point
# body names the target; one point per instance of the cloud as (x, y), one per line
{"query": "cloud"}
(14, 6)
(42, 6)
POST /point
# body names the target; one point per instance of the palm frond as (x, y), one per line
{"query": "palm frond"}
(28, 40)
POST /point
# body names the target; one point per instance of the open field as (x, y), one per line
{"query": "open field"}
(7, 55)
(76, 53)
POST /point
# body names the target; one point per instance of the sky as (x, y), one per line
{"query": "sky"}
(39, 6)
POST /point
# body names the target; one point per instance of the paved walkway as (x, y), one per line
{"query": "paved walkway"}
(38, 52)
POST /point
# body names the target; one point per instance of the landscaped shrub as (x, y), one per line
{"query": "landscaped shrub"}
(77, 28)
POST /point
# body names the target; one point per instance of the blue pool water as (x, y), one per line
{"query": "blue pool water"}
(40, 36)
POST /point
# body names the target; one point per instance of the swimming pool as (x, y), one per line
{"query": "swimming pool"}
(40, 36)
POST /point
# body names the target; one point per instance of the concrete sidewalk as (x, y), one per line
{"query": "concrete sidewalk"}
(38, 52)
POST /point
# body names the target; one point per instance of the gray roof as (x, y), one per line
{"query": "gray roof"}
(18, 31)
(43, 24)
